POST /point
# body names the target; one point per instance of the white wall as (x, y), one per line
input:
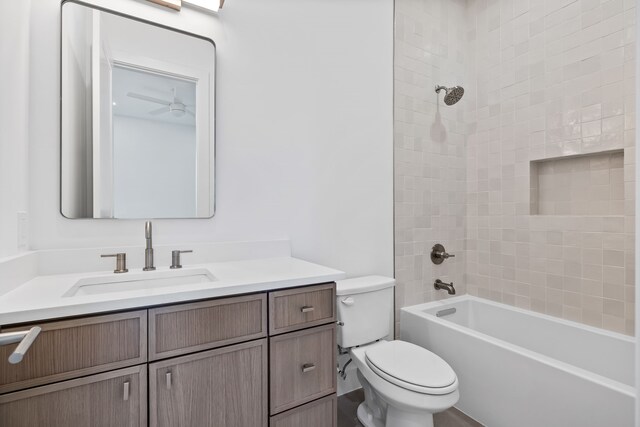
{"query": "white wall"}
(304, 131)
(153, 159)
(14, 89)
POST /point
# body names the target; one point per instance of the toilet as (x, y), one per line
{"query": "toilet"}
(404, 384)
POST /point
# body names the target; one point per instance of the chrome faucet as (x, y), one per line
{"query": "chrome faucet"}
(148, 252)
(439, 284)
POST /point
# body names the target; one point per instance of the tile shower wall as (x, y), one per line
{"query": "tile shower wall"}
(546, 82)
(430, 147)
(555, 78)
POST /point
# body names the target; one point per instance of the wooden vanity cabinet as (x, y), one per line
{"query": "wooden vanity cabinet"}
(242, 361)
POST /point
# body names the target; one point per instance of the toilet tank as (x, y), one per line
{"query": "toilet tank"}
(365, 308)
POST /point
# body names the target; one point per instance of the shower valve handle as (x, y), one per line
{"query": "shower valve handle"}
(439, 254)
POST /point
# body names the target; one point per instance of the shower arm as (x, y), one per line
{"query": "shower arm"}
(439, 88)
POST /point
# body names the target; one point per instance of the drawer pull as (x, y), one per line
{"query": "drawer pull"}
(168, 380)
(126, 391)
(307, 309)
(308, 367)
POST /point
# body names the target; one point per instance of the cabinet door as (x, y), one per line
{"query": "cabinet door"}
(113, 399)
(226, 387)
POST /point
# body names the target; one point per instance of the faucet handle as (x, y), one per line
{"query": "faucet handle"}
(148, 229)
(175, 258)
(121, 262)
(439, 254)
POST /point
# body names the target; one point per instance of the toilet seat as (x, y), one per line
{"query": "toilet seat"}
(411, 367)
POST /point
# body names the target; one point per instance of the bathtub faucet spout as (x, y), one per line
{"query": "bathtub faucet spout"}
(439, 284)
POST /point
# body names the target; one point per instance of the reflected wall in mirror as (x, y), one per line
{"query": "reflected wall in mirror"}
(137, 131)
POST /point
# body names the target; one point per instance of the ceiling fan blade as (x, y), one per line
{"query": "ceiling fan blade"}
(159, 111)
(190, 112)
(148, 98)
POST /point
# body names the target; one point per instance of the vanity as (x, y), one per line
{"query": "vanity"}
(266, 357)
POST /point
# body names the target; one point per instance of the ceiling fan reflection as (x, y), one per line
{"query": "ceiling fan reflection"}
(176, 107)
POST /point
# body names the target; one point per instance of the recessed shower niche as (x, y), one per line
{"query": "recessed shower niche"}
(590, 184)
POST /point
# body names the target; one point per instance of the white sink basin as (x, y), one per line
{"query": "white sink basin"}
(139, 281)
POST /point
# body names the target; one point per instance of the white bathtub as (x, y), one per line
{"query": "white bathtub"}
(518, 368)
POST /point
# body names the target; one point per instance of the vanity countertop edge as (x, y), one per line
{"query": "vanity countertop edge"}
(42, 298)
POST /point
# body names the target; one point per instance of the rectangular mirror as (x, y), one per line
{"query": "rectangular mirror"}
(138, 128)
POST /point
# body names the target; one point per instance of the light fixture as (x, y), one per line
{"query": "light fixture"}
(173, 4)
(207, 5)
(177, 109)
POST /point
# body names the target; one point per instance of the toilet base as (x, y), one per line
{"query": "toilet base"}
(375, 412)
(371, 412)
(393, 418)
(366, 418)
(396, 417)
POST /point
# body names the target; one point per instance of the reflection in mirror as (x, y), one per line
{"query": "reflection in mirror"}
(153, 118)
(137, 119)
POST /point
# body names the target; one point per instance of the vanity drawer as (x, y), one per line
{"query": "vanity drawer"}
(186, 328)
(302, 367)
(73, 348)
(319, 413)
(299, 308)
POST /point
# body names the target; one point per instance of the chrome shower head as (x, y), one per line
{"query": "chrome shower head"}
(452, 94)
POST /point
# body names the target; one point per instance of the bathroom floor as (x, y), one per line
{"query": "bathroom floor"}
(348, 405)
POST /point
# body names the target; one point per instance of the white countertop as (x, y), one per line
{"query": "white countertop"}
(43, 297)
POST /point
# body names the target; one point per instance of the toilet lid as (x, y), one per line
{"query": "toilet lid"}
(412, 367)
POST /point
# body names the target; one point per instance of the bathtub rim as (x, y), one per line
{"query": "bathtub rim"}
(417, 310)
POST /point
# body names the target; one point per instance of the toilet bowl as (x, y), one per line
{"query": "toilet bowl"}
(404, 384)
(403, 394)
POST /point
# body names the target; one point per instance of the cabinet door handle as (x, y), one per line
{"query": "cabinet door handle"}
(126, 391)
(168, 380)
(25, 338)
(307, 309)
(308, 367)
